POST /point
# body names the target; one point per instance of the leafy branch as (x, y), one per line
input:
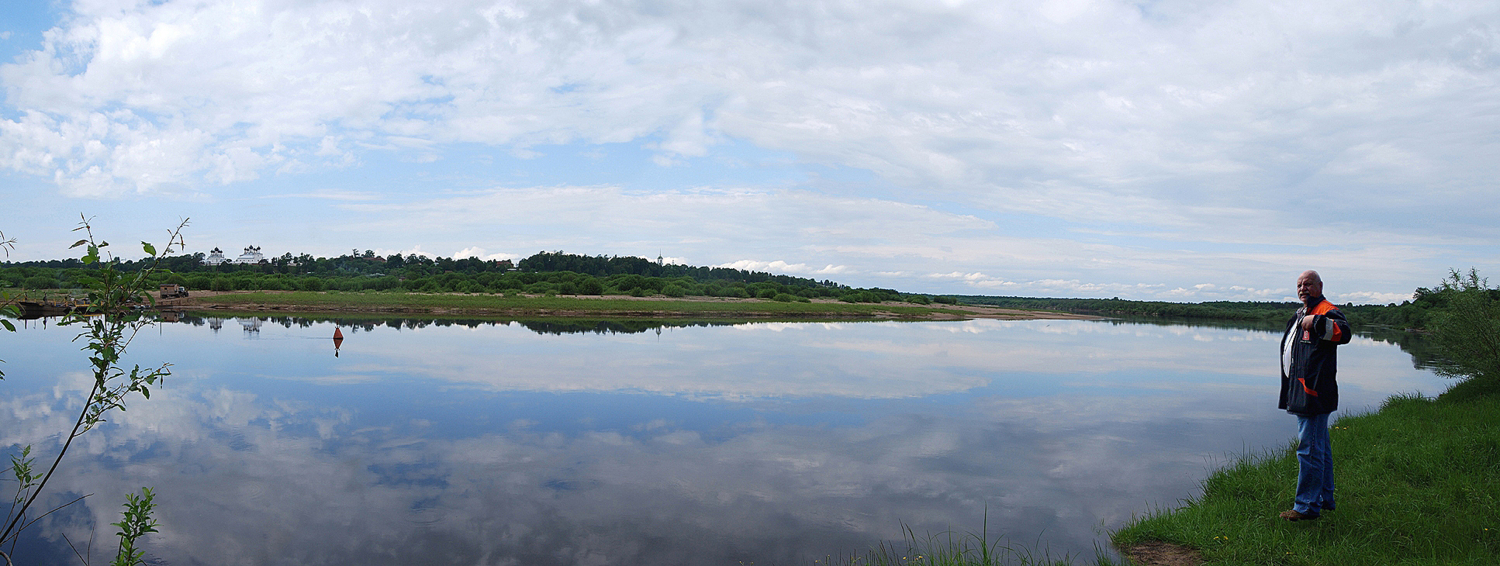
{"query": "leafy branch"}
(135, 524)
(109, 324)
(7, 302)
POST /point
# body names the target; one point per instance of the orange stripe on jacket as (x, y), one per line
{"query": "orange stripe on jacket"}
(1305, 388)
(1323, 308)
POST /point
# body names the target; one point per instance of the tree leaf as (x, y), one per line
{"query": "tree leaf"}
(78, 243)
(150, 249)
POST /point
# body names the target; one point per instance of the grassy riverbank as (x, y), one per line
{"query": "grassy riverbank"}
(1418, 483)
(582, 306)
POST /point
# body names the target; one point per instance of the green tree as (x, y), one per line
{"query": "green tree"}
(1467, 330)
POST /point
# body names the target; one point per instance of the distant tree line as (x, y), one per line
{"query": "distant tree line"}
(562, 273)
(543, 273)
(1418, 313)
(1218, 310)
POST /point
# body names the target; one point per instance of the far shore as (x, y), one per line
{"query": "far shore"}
(610, 306)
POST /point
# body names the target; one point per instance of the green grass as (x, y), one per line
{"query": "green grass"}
(515, 304)
(1418, 483)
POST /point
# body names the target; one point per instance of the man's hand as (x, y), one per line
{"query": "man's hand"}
(1307, 323)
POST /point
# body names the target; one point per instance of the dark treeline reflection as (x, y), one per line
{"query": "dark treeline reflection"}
(555, 326)
(1424, 353)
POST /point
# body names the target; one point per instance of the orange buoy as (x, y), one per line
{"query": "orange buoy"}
(338, 334)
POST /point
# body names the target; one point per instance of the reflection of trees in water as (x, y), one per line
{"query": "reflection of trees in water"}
(555, 326)
(1423, 350)
(1268, 326)
(609, 326)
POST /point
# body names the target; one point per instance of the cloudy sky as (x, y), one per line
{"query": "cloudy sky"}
(1174, 150)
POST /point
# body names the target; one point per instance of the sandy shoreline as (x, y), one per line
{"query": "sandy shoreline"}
(204, 300)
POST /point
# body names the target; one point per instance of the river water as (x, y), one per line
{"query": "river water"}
(481, 442)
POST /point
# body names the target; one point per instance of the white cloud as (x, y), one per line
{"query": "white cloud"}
(1108, 142)
(976, 276)
(481, 253)
(1117, 109)
(1373, 297)
(779, 266)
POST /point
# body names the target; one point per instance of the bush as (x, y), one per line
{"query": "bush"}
(346, 284)
(784, 297)
(860, 297)
(39, 282)
(919, 299)
(270, 284)
(628, 282)
(674, 290)
(590, 286)
(222, 284)
(310, 284)
(380, 283)
(1467, 330)
(946, 300)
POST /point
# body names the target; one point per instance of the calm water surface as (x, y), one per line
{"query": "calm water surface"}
(778, 443)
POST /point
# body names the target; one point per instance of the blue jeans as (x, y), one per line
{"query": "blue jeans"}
(1314, 465)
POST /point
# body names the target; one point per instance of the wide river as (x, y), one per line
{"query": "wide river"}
(481, 442)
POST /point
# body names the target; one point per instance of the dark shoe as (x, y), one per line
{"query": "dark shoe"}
(1293, 515)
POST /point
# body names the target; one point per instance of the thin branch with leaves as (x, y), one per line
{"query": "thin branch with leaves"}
(109, 324)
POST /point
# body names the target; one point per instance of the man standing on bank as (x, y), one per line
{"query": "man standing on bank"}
(1309, 391)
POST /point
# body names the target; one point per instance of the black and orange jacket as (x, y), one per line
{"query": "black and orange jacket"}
(1308, 372)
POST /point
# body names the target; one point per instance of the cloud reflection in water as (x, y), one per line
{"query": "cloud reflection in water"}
(767, 442)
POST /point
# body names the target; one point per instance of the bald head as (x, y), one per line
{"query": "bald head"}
(1309, 286)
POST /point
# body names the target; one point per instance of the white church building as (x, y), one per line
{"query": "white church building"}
(251, 255)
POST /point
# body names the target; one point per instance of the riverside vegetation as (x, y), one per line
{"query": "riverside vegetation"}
(545, 273)
(553, 274)
(562, 274)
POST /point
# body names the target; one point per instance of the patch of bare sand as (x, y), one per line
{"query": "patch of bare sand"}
(1158, 553)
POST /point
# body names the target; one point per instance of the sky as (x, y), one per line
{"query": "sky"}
(1181, 151)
